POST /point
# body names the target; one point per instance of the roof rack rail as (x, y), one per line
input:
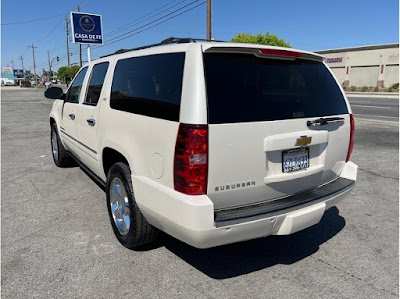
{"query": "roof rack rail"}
(170, 40)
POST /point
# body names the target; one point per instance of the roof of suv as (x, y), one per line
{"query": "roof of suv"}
(218, 46)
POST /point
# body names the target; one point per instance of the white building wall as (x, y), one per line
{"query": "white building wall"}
(391, 75)
(364, 76)
(340, 74)
(362, 66)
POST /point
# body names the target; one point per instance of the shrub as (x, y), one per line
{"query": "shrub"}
(376, 89)
(364, 88)
(390, 89)
(353, 88)
(395, 86)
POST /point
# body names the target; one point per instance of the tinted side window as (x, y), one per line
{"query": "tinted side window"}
(76, 87)
(149, 85)
(96, 83)
(245, 88)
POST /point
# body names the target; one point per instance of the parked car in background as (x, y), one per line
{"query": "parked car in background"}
(7, 82)
(33, 83)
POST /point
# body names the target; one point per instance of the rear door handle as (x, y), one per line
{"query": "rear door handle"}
(91, 122)
(72, 116)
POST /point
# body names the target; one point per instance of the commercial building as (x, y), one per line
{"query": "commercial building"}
(369, 66)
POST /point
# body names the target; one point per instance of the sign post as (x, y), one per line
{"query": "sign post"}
(86, 29)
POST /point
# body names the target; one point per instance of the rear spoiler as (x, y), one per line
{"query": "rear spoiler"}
(271, 53)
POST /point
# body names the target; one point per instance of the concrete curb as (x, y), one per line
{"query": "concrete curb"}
(383, 95)
(374, 93)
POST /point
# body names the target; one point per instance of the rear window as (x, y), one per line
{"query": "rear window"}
(149, 85)
(246, 88)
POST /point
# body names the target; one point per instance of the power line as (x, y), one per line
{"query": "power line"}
(132, 23)
(144, 27)
(51, 32)
(153, 25)
(45, 18)
(30, 21)
(136, 29)
(122, 37)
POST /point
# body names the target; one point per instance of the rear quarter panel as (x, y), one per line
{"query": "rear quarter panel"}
(147, 143)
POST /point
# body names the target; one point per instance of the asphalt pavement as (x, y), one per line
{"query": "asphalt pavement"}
(57, 242)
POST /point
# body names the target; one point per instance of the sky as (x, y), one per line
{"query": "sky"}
(308, 25)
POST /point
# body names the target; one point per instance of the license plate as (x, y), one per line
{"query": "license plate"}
(295, 159)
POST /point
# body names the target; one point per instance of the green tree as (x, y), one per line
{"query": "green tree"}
(66, 73)
(73, 70)
(267, 39)
(63, 74)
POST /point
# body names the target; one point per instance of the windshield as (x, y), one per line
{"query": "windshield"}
(246, 88)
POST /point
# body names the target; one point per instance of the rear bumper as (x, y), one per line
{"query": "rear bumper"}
(193, 220)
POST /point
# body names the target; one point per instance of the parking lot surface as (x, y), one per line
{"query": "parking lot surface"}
(57, 242)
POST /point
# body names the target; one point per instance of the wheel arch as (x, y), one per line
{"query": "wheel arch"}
(111, 156)
(52, 121)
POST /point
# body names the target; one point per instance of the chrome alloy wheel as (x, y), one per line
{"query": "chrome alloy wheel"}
(119, 204)
(54, 145)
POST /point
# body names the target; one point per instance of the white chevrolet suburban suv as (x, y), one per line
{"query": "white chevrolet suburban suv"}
(210, 142)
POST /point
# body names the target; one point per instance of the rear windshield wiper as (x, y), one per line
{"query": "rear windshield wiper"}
(323, 121)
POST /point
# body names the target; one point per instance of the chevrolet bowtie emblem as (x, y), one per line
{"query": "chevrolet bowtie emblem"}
(303, 141)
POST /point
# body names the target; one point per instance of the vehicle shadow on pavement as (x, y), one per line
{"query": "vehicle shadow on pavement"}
(245, 257)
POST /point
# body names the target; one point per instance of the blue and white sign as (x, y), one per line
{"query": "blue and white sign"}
(19, 73)
(86, 28)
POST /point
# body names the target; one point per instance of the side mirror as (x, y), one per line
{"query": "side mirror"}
(55, 93)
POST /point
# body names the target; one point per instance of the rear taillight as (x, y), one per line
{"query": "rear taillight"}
(351, 144)
(280, 53)
(191, 159)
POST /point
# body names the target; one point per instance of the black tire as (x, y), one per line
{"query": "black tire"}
(61, 158)
(140, 231)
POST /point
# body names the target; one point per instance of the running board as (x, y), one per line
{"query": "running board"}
(99, 182)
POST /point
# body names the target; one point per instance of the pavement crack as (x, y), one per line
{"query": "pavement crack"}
(377, 288)
(378, 175)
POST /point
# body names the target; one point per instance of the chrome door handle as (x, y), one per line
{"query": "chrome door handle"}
(91, 122)
(72, 116)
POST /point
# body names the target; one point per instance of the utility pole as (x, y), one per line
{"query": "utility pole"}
(23, 69)
(48, 57)
(209, 30)
(34, 63)
(22, 61)
(67, 30)
(80, 48)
